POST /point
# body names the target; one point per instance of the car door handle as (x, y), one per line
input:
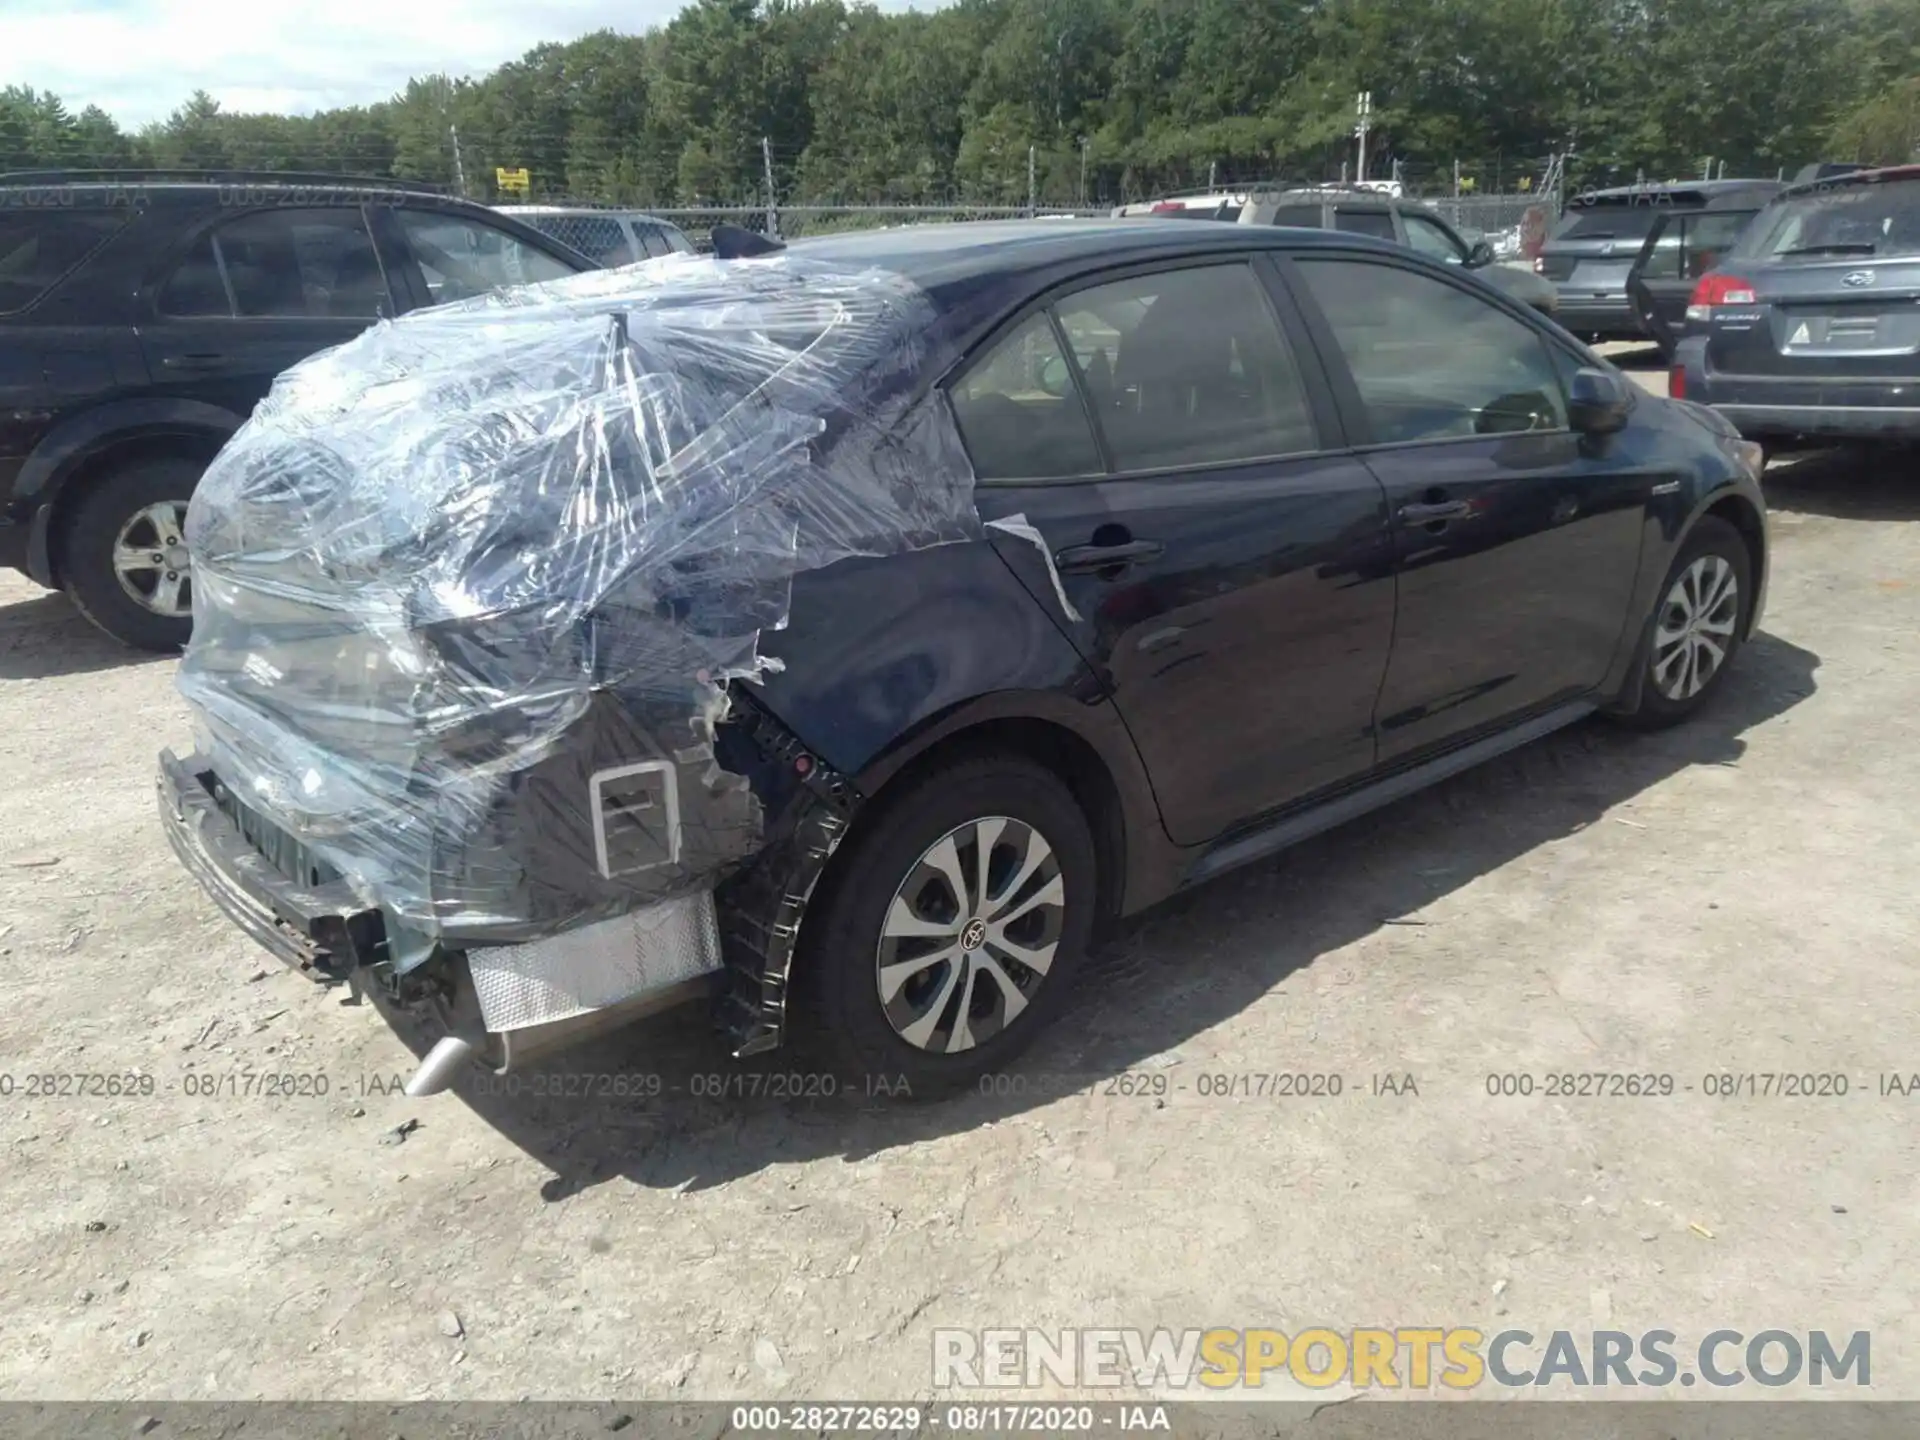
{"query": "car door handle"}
(1079, 559)
(1419, 514)
(202, 361)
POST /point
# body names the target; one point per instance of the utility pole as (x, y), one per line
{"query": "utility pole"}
(1456, 179)
(773, 204)
(1363, 111)
(1084, 144)
(1033, 180)
(1213, 174)
(459, 168)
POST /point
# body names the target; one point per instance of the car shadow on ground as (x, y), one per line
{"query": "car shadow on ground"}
(44, 637)
(1881, 483)
(1167, 976)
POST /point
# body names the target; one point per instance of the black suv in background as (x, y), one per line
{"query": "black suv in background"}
(1592, 251)
(1401, 222)
(142, 316)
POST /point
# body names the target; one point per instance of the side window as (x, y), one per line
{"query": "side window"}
(38, 247)
(1665, 262)
(652, 243)
(1710, 237)
(1431, 361)
(1018, 411)
(281, 264)
(1377, 223)
(1188, 367)
(461, 258)
(1431, 240)
(1307, 217)
(195, 289)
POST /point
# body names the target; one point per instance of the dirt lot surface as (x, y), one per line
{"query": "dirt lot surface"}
(1736, 896)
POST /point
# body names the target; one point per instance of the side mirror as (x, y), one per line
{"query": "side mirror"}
(1055, 379)
(1598, 402)
(1479, 255)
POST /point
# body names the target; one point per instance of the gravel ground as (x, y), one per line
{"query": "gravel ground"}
(1736, 896)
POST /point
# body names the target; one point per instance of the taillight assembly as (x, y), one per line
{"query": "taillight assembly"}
(1718, 290)
(1677, 383)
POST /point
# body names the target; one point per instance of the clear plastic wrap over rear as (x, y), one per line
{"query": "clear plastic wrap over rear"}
(468, 589)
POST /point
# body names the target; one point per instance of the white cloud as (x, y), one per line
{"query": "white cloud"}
(138, 59)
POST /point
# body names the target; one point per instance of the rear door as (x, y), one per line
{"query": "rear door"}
(1681, 248)
(1517, 542)
(1835, 278)
(246, 297)
(1168, 436)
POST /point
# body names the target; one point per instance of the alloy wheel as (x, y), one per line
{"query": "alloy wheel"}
(970, 934)
(1696, 627)
(151, 562)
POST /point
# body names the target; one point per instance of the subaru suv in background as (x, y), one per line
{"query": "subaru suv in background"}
(607, 237)
(1811, 326)
(1591, 252)
(142, 316)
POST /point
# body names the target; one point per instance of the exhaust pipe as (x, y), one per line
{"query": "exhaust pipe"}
(449, 1055)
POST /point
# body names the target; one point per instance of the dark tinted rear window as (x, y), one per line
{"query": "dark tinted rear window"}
(1307, 217)
(37, 247)
(1881, 220)
(1377, 223)
(1608, 222)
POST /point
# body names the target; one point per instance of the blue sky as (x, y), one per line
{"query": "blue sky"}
(138, 59)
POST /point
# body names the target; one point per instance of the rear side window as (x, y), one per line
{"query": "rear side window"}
(281, 264)
(38, 247)
(1187, 367)
(1691, 245)
(1377, 223)
(1019, 413)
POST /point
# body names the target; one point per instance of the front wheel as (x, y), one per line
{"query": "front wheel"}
(1698, 621)
(952, 932)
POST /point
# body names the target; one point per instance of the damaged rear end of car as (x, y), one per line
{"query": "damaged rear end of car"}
(480, 599)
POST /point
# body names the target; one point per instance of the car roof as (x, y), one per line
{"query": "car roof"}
(187, 182)
(1707, 190)
(942, 255)
(611, 212)
(1878, 176)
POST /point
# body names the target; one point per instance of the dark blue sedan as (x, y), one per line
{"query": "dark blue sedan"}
(846, 633)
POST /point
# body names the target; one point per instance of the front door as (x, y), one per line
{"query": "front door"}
(1517, 541)
(257, 293)
(1228, 572)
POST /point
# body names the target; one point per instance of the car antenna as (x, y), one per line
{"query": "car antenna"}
(731, 242)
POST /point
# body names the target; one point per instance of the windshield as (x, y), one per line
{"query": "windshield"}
(1846, 220)
(1608, 222)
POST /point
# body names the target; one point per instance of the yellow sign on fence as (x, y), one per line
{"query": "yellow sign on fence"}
(513, 180)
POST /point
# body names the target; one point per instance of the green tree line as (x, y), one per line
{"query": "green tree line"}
(1103, 99)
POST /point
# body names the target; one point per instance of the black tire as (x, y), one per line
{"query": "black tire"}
(844, 1023)
(1663, 701)
(94, 526)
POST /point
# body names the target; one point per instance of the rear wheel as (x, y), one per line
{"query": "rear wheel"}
(1699, 618)
(124, 559)
(954, 927)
